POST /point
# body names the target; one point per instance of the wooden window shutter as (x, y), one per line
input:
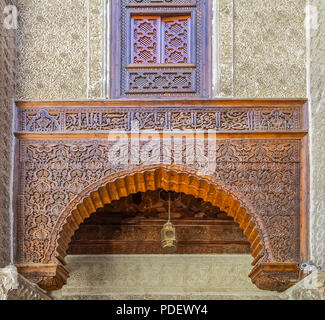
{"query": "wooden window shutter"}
(176, 40)
(161, 49)
(145, 41)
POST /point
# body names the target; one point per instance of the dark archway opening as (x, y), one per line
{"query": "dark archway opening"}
(132, 225)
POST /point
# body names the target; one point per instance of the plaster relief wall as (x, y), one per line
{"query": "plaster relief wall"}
(259, 49)
(160, 277)
(60, 50)
(317, 124)
(223, 48)
(7, 63)
(270, 48)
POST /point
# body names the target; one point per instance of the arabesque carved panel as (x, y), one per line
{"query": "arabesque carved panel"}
(221, 119)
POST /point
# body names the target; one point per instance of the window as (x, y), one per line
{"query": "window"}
(157, 39)
(161, 49)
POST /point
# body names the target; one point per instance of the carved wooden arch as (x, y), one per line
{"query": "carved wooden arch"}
(51, 274)
(149, 179)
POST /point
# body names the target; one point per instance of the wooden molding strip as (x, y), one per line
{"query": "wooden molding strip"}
(164, 102)
(146, 134)
(138, 66)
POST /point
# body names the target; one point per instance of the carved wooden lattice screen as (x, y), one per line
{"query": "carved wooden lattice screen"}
(161, 49)
(176, 40)
(160, 40)
(145, 35)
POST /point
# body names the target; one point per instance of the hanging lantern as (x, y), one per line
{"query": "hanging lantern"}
(168, 235)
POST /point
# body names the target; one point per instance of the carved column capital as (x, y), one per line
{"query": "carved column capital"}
(275, 276)
(48, 277)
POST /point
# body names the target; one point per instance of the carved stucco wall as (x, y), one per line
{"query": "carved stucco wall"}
(7, 61)
(60, 50)
(161, 277)
(259, 49)
(270, 48)
(317, 132)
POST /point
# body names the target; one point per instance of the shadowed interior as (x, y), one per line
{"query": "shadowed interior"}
(132, 225)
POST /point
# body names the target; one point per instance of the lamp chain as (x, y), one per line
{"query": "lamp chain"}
(168, 207)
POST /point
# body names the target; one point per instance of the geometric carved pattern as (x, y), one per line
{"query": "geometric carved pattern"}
(176, 44)
(159, 81)
(145, 39)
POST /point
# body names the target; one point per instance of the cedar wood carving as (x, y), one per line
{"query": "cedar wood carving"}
(69, 167)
